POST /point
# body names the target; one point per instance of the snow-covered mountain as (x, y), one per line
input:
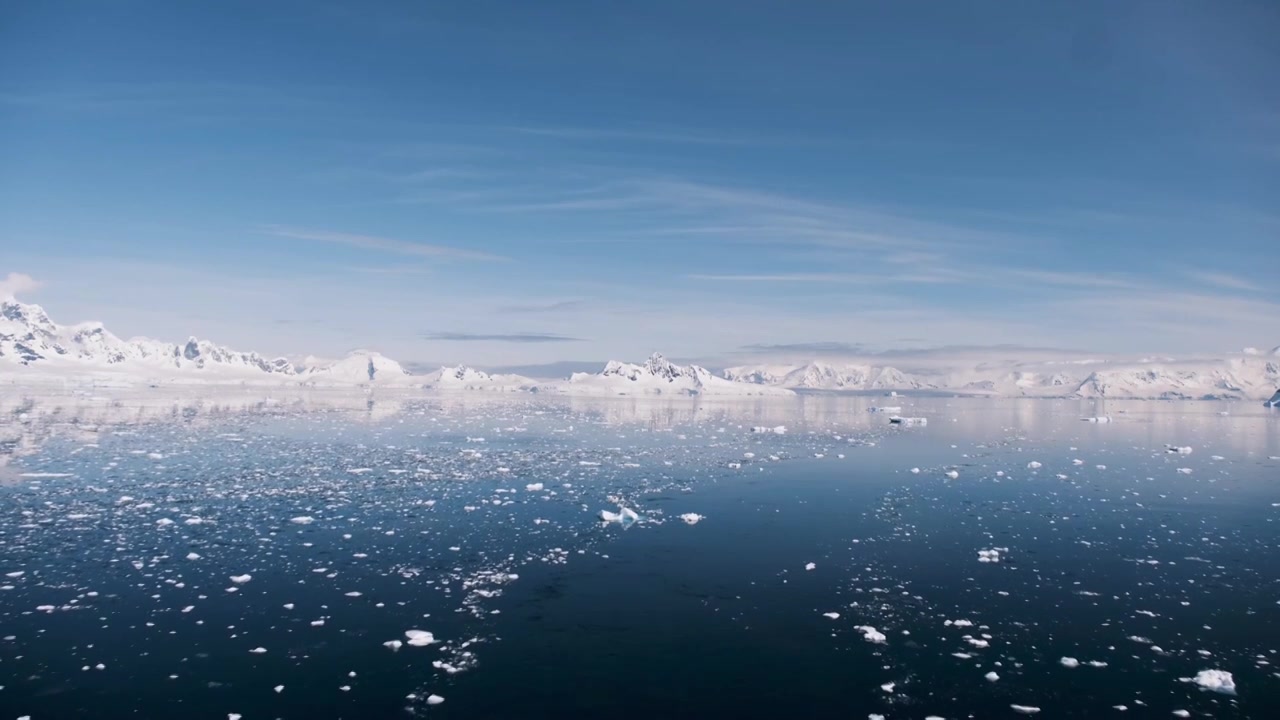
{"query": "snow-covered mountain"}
(657, 376)
(467, 378)
(34, 348)
(1246, 376)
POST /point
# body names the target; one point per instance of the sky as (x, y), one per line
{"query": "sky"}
(514, 183)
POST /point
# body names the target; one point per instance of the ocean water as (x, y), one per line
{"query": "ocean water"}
(203, 557)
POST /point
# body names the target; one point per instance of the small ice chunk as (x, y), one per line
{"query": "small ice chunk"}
(393, 644)
(872, 635)
(1034, 465)
(991, 676)
(810, 566)
(193, 556)
(241, 579)
(258, 650)
(692, 518)
(533, 487)
(302, 520)
(279, 688)
(832, 615)
(1069, 662)
(419, 638)
(1025, 709)
(989, 556)
(434, 699)
(1219, 681)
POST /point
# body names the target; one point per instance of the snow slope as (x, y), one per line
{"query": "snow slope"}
(657, 376)
(34, 349)
(467, 378)
(1235, 377)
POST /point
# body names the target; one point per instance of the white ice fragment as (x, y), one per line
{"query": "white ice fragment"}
(241, 579)
(533, 487)
(1069, 662)
(393, 644)
(991, 676)
(953, 474)
(1034, 465)
(419, 638)
(193, 556)
(1025, 709)
(302, 520)
(1219, 681)
(692, 518)
(872, 635)
(810, 566)
(1177, 450)
(434, 699)
(624, 517)
(989, 556)
(278, 688)
(258, 650)
(832, 615)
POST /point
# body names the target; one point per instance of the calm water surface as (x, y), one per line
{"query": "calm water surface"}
(835, 571)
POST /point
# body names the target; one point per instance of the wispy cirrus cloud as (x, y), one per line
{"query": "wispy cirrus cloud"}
(817, 348)
(382, 244)
(1223, 280)
(543, 307)
(501, 337)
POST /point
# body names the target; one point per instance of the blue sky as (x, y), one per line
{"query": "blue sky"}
(517, 182)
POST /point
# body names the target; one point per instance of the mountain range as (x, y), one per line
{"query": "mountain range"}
(36, 350)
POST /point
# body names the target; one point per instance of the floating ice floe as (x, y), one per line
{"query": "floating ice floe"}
(1024, 709)
(435, 700)
(624, 517)
(1098, 419)
(953, 474)
(692, 518)
(776, 430)
(989, 556)
(1034, 465)
(393, 644)
(302, 520)
(899, 420)
(872, 635)
(1219, 681)
(1177, 450)
(810, 566)
(258, 650)
(241, 579)
(885, 409)
(1069, 662)
(832, 615)
(419, 638)
(533, 487)
(991, 676)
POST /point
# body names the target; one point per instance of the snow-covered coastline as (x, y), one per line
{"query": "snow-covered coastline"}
(37, 352)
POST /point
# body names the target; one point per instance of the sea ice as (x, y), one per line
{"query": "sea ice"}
(1219, 681)
(241, 579)
(435, 700)
(1069, 662)
(419, 638)
(692, 518)
(872, 635)
(1025, 709)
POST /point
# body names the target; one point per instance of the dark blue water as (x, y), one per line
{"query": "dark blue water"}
(127, 518)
